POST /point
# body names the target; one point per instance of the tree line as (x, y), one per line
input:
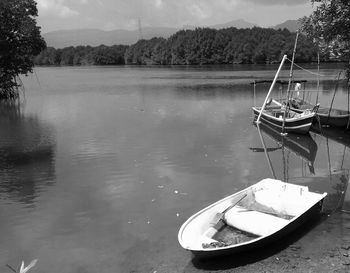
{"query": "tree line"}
(327, 31)
(82, 55)
(192, 47)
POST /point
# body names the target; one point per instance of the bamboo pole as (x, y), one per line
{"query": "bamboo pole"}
(289, 83)
(291, 66)
(335, 91)
(318, 75)
(347, 126)
(254, 94)
(271, 88)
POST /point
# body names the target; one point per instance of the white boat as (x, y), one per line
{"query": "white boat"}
(255, 216)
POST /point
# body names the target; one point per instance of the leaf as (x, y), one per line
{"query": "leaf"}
(26, 269)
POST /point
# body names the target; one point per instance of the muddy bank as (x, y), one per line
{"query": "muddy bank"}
(322, 245)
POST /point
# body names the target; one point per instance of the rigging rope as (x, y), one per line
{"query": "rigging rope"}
(307, 70)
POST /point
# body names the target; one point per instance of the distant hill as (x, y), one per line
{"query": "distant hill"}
(96, 37)
(291, 25)
(240, 23)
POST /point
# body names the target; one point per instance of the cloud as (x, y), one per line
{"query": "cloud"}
(199, 11)
(158, 4)
(122, 14)
(55, 8)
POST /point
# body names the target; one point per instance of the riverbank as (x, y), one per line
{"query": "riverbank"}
(322, 245)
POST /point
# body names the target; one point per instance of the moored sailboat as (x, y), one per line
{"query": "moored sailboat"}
(327, 116)
(281, 116)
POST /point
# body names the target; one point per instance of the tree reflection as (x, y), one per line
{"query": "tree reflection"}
(26, 155)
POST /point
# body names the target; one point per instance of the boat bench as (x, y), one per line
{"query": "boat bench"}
(254, 222)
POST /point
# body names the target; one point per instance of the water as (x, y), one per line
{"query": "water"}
(100, 166)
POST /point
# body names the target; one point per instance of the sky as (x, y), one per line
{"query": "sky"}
(125, 14)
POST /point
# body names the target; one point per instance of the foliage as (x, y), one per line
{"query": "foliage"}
(191, 47)
(329, 26)
(82, 55)
(20, 40)
(224, 46)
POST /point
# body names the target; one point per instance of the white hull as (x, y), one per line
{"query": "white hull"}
(270, 209)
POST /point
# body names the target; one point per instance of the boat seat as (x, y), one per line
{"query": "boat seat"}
(254, 222)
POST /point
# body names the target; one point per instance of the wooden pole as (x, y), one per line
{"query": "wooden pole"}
(347, 126)
(318, 75)
(289, 83)
(254, 94)
(292, 64)
(271, 87)
(335, 91)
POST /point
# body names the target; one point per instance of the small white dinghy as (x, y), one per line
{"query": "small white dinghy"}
(253, 217)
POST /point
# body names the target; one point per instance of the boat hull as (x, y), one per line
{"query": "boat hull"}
(268, 211)
(334, 121)
(325, 116)
(299, 125)
(268, 240)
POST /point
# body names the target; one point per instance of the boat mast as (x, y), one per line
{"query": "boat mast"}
(292, 64)
(271, 87)
(318, 74)
(289, 83)
(347, 126)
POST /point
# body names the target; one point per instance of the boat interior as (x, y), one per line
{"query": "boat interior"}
(304, 105)
(266, 207)
(278, 112)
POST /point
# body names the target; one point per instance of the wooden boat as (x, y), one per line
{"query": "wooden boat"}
(278, 115)
(327, 116)
(292, 122)
(253, 217)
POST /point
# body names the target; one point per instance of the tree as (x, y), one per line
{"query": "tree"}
(329, 25)
(20, 41)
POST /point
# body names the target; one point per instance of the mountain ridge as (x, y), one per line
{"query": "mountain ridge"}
(96, 37)
(291, 25)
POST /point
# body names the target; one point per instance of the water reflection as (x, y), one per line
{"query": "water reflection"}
(333, 179)
(302, 146)
(339, 173)
(26, 155)
(134, 152)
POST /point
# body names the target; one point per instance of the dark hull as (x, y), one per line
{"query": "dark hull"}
(265, 240)
(300, 125)
(334, 121)
(326, 116)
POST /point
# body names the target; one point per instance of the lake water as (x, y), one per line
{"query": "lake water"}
(100, 166)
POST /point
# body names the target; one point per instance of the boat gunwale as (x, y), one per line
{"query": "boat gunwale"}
(299, 126)
(287, 120)
(321, 110)
(288, 127)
